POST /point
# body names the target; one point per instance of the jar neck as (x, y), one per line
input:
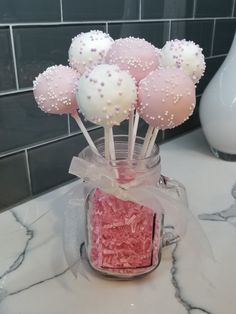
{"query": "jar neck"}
(136, 171)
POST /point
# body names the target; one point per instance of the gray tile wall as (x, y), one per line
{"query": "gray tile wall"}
(35, 148)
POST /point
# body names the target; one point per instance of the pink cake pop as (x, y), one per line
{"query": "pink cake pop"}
(89, 49)
(166, 98)
(135, 55)
(185, 55)
(54, 90)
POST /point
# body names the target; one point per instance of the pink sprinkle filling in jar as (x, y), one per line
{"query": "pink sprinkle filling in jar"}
(123, 237)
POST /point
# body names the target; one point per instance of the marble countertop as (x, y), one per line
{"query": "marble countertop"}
(35, 278)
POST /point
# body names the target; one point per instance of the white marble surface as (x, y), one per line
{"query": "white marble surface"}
(34, 276)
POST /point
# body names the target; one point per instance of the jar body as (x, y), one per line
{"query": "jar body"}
(124, 201)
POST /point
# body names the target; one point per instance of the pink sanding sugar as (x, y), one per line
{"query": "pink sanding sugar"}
(123, 236)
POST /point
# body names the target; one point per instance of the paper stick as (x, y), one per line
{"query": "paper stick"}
(152, 143)
(111, 144)
(130, 135)
(84, 130)
(135, 129)
(146, 142)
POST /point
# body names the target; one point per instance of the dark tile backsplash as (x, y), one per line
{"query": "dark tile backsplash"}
(22, 123)
(224, 33)
(96, 10)
(214, 8)
(155, 32)
(212, 65)
(14, 183)
(15, 11)
(152, 9)
(199, 31)
(7, 76)
(49, 164)
(36, 148)
(41, 46)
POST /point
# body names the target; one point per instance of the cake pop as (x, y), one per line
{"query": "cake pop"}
(139, 58)
(166, 98)
(106, 95)
(185, 55)
(89, 49)
(135, 55)
(54, 90)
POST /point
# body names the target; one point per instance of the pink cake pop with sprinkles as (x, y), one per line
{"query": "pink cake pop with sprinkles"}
(185, 55)
(135, 55)
(166, 100)
(89, 49)
(139, 58)
(54, 92)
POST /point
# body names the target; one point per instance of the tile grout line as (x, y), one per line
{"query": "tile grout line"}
(114, 21)
(169, 31)
(233, 9)
(61, 11)
(28, 170)
(14, 57)
(16, 91)
(213, 37)
(140, 10)
(194, 8)
(216, 56)
(32, 146)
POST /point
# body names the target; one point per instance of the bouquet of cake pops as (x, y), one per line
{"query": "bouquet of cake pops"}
(109, 81)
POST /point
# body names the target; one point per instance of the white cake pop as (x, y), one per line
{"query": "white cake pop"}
(89, 49)
(106, 95)
(185, 55)
(54, 90)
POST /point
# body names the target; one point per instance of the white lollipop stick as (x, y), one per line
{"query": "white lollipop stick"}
(112, 152)
(146, 142)
(111, 144)
(152, 142)
(135, 129)
(84, 131)
(130, 135)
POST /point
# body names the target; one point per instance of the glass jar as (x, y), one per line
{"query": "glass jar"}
(123, 230)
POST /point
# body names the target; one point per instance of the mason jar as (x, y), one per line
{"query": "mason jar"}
(124, 222)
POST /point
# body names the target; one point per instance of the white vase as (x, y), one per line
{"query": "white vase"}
(218, 109)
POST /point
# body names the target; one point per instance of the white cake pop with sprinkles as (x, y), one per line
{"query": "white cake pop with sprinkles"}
(89, 49)
(54, 90)
(166, 98)
(135, 55)
(184, 55)
(106, 95)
